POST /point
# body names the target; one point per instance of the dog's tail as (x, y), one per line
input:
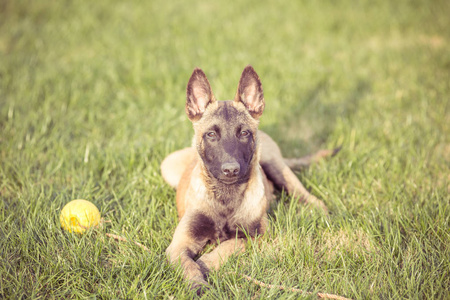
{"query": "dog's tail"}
(306, 161)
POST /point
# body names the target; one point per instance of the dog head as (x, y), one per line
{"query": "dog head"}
(226, 131)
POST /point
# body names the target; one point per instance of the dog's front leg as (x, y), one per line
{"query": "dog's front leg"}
(220, 254)
(183, 249)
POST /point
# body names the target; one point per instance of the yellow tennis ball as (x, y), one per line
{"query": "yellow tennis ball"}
(79, 215)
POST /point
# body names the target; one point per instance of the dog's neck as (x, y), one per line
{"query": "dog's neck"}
(224, 193)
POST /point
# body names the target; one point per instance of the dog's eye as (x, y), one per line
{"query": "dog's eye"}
(211, 134)
(244, 133)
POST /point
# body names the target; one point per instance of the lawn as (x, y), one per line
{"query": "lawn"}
(92, 99)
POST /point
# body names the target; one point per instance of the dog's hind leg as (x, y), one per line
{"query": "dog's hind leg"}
(174, 165)
(281, 175)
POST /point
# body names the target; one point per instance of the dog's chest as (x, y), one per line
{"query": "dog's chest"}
(237, 221)
(227, 212)
(220, 227)
(230, 228)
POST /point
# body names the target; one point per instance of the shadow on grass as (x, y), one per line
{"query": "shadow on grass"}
(305, 125)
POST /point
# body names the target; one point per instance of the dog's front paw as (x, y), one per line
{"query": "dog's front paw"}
(199, 285)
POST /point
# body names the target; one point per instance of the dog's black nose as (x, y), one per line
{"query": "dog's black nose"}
(231, 169)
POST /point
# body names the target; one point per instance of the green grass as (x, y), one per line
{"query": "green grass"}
(92, 99)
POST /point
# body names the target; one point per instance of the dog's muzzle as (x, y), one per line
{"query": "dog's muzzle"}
(231, 169)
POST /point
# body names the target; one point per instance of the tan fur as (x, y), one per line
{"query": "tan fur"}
(174, 165)
(203, 217)
(184, 184)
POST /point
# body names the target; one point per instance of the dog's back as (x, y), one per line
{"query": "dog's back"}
(174, 165)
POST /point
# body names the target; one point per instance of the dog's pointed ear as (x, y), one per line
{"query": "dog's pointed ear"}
(199, 95)
(250, 92)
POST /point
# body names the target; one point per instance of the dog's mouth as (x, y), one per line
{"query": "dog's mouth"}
(228, 180)
(243, 178)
